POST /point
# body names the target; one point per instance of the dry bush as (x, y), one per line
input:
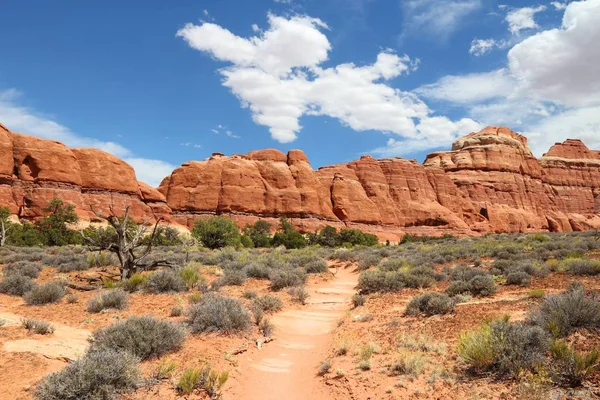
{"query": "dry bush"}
(164, 281)
(145, 337)
(47, 293)
(16, 285)
(114, 298)
(216, 313)
(269, 303)
(430, 304)
(39, 327)
(99, 374)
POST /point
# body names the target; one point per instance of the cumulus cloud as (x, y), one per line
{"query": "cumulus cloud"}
(523, 18)
(439, 18)
(561, 64)
(25, 120)
(549, 89)
(279, 76)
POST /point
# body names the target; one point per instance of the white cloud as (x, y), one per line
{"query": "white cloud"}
(480, 47)
(281, 84)
(150, 171)
(435, 133)
(558, 5)
(223, 130)
(550, 88)
(476, 87)
(581, 123)
(523, 18)
(561, 64)
(25, 120)
(294, 42)
(438, 18)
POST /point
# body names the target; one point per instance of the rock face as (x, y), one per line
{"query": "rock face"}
(489, 182)
(34, 170)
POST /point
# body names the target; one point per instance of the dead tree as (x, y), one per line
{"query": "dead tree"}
(127, 245)
(2, 233)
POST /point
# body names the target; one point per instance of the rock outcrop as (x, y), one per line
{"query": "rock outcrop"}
(34, 170)
(489, 182)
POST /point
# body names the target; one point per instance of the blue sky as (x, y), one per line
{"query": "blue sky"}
(160, 83)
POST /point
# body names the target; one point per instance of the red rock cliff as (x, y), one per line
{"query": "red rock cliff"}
(489, 182)
(34, 170)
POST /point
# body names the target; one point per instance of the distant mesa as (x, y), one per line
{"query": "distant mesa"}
(489, 182)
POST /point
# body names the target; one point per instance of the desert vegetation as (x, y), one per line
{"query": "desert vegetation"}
(514, 315)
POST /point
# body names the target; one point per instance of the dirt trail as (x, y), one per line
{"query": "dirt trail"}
(286, 368)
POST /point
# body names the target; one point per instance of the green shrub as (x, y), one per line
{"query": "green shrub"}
(113, 298)
(47, 293)
(430, 304)
(144, 337)
(39, 327)
(164, 281)
(317, 266)
(259, 233)
(281, 279)
(134, 283)
(477, 349)
(571, 367)
(562, 314)
(218, 313)
(269, 303)
(190, 275)
(16, 285)
(217, 232)
(189, 380)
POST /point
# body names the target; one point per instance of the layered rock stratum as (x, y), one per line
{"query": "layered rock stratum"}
(489, 182)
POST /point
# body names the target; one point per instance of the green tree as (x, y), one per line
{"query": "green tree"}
(54, 226)
(357, 237)
(165, 236)
(329, 237)
(259, 233)
(217, 232)
(25, 235)
(288, 236)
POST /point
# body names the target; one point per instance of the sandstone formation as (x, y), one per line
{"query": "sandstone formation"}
(489, 182)
(34, 170)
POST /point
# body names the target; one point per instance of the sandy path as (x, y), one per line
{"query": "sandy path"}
(286, 368)
(65, 343)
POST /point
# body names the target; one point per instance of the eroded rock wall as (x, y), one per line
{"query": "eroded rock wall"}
(489, 182)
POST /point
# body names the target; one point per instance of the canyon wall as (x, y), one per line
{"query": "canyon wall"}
(489, 182)
(33, 171)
